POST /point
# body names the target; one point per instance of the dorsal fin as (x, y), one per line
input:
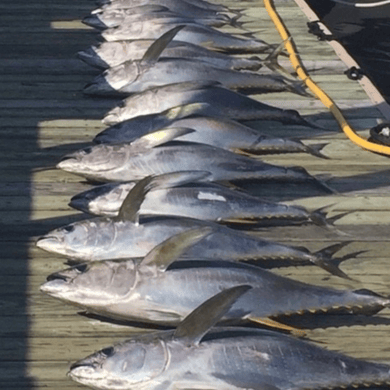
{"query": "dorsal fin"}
(164, 254)
(191, 330)
(159, 137)
(132, 203)
(152, 55)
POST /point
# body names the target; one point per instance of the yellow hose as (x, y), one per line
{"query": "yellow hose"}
(318, 92)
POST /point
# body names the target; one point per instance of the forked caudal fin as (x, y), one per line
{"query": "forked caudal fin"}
(191, 330)
(271, 62)
(315, 150)
(323, 259)
(318, 217)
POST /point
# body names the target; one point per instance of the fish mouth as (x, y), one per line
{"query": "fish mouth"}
(90, 57)
(68, 163)
(80, 202)
(101, 139)
(81, 372)
(111, 118)
(55, 285)
(94, 21)
(99, 87)
(49, 243)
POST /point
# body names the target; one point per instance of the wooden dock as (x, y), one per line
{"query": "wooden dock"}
(44, 115)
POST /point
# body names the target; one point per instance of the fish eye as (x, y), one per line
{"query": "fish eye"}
(87, 150)
(81, 268)
(107, 352)
(69, 228)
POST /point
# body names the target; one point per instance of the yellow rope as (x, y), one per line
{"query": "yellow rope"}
(318, 92)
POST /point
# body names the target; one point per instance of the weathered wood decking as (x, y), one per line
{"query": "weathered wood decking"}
(44, 114)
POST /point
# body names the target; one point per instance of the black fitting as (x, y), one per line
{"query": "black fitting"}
(314, 28)
(354, 73)
(380, 134)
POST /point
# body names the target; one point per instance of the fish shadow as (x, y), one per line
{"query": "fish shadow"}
(328, 320)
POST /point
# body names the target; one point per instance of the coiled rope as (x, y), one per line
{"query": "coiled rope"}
(315, 89)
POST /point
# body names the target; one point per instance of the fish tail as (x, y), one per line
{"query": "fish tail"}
(324, 259)
(321, 183)
(238, 11)
(315, 150)
(271, 61)
(297, 87)
(318, 217)
(234, 21)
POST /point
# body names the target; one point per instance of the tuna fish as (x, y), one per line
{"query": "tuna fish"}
(221, 102)
(142, 290)
(196, 34)
(195, 357)
(124, 236)
(114, 18)
(110, 54)
(135, 76)
(153, 154)
(180, 6)
(217, 131)
(206, 201)
(150, 72)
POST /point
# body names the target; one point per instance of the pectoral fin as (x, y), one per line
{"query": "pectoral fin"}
(157, 47)
(185, 110)
(132, 203)
(160, 137)
(164, 254)
(134, 199)
(191, 330)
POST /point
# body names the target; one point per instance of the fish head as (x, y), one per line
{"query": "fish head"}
(95, 21)
(111, 18)
(113, 116)
(95, 284)
(107, 198)
(119, 76)
(78, 240)
(91, 57)
(122, 32)
(94, 159)
(127, 365)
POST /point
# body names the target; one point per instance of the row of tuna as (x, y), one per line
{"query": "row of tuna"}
(154, 253)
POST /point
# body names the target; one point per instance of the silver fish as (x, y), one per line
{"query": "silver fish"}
(193, 33)
(196, 357)
(174, 5)
(124, 236)
(206, 201)
(136, 76)
(111, 54)
(221, 102)
(111, 18)
(118, 17)
(217, 131)
(152, 155)
(142, 290)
